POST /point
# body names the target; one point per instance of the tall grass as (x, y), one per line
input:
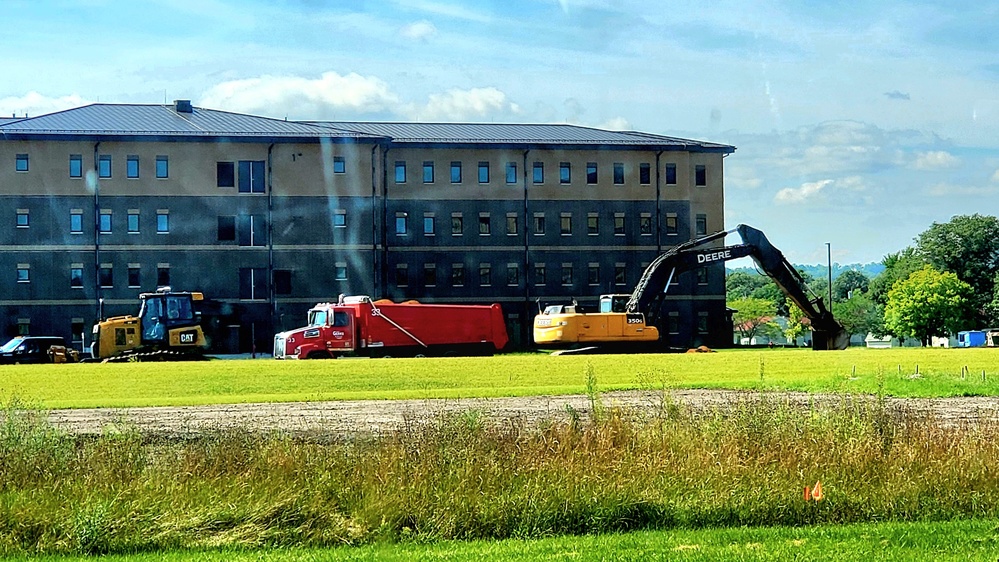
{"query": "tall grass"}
(465, 476)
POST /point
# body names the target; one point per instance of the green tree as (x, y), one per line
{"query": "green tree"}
(929, 303)
(741, 284)
(968, 246)
(753, 316)
(795, 323)
(848, 283)
(898, 266)
(859, 314)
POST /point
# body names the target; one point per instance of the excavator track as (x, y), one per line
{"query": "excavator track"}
(157, 355)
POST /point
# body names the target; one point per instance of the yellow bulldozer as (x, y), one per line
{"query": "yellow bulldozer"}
(168, 327)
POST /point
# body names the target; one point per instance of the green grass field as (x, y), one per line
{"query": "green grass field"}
(898, 372)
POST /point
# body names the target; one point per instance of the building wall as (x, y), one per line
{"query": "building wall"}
(326, 231)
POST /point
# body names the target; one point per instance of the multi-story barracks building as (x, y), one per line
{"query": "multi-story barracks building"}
(267, 217)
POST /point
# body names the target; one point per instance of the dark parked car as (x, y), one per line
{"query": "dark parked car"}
(29, 349)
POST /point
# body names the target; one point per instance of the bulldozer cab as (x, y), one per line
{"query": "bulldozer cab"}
(161, 312)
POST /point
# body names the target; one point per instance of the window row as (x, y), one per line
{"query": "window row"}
(105, 221)
(105, 275)
(566, 274)
(539, 224)
(105, 170)
(592, 174)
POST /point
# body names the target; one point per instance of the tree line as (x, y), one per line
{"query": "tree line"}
(946, 282)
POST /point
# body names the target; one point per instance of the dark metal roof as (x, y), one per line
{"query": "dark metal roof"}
(163, 120)
(520, 134)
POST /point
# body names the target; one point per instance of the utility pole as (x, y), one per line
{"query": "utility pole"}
(829, 261)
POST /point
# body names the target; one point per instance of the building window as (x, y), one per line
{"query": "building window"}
(700, 176)
(539, 172)
(485, 227)
(702, 276)
(339, 165)
(21, 163)
(75, 166)
(131, 166)
(566, 274)
(593, 224)
(457, 224)
(251, 230)
(512, 274)
(340, 271)
(428, 225)
(645, 224)
(540, 277)
(340, 219)
(564, 172)
(565, 224)
(618, 224)
(400, 171)
(133, 222)
(24, 326)
(401, 275)
(539, 223)
(644, 174)
(702, 322)
(429, 275)
(162, 275)
(23, 270)
(76, 222)
(105, 276)
(227, 228)
(251, 176)
(511, 224)
(76, 276)
(455, 172)
(428, 172)
(483, 172)
(672, 228)
(591, 173)
(225, 174)
(162, 167)
(401, 228)
(485, 274)
(162, 222)
(701, 225)
(673, 323)
(618, 173)
(511, 172)
(104, 224)
(620, 272)
(670, 174)
(282, 281)
(21, 218)
(593, 274)
(457, 275)
(104, 166)
(252, 283)
(134, 276)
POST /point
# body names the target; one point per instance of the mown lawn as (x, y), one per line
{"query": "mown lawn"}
(895, 372)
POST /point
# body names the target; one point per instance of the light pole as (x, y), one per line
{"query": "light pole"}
(829, 262)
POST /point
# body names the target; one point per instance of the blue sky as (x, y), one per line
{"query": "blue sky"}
(859, 126)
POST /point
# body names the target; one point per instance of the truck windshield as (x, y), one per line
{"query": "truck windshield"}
(317, 318)
(11, 345)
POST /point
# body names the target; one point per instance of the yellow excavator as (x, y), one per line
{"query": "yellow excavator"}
(629, 323)
(168, 327)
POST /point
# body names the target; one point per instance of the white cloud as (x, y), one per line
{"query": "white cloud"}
(326, 97)
(34, 104)
(807, 191)
(995, 177)
(935, 160)
(465, 105)
(616, 124)
(421, 30)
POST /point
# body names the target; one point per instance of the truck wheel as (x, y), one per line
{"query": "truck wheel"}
(420, 355)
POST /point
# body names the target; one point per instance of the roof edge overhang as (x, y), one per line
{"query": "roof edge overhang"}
(206, 138)
(723, 149)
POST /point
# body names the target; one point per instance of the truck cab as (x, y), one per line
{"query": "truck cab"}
(330, 333)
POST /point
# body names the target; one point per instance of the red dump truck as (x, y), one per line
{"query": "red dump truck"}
(359, 326)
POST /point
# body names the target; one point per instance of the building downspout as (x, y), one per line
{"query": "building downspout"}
(378, 273)
(99, 300)
(526, 324)
(659, 226)
(271, 294)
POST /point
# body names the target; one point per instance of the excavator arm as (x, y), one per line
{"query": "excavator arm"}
(651, 289)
